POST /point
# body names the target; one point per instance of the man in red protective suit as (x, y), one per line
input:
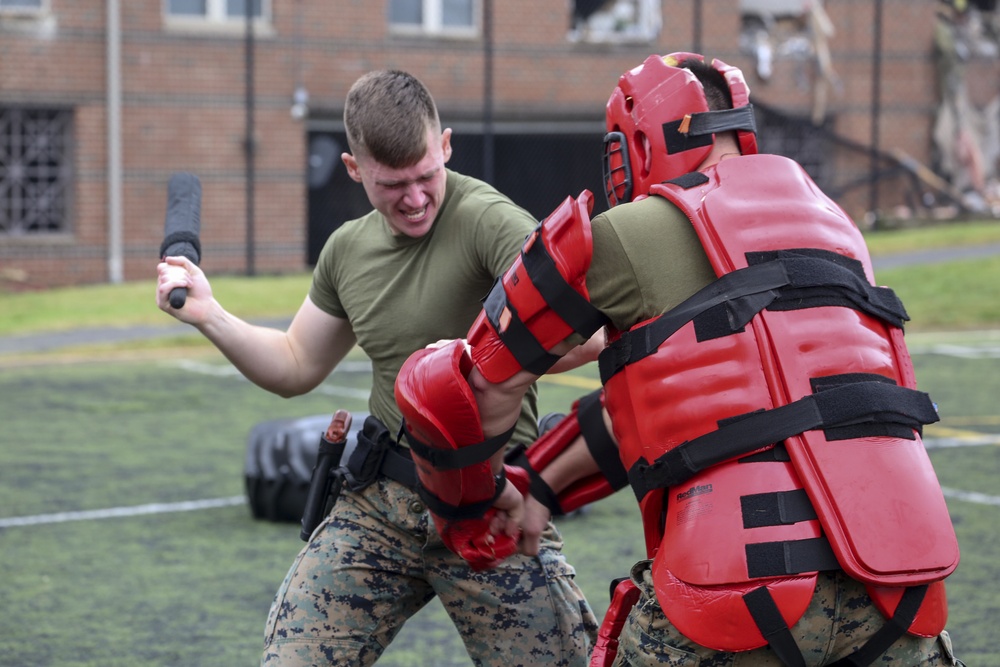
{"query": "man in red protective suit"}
(757, 384)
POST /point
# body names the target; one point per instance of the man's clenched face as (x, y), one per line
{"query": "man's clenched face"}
(409, 198)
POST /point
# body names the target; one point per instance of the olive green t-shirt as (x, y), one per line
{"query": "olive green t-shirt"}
(401, 293)
(647, 259)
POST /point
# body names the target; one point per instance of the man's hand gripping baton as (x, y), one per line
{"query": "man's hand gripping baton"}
(182, 225)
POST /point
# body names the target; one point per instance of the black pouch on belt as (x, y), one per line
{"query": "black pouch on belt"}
(377, 453)
(365, 462)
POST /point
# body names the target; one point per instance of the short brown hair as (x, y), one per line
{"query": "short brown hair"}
(386, 117)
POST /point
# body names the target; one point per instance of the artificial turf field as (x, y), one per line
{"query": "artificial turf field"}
(124, 541)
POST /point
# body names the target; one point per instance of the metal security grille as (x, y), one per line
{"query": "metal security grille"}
(34, 170)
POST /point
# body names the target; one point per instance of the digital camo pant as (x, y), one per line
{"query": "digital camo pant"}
(840, 618)
(377, 560)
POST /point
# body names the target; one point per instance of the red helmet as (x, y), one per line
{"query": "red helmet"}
(666, 104)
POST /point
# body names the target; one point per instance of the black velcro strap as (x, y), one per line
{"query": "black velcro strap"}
(516, 337)
(182, 237)
(573, 308)
(834, 279)
(779, 559)
(462, 512)
(776, 280)
(723, 120)
(701, 126)
(779, 508)
(689, 180)
(887, 635)
(640, 342)
(854, 403)
(772, 626)
(867, 429)
(678, 142)
(537, 487)
(454, 459)
(770, 455)
(602, 447)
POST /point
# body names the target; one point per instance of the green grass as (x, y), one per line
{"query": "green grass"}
(134, 303)
(942, 235)
(950, 295)
(193, 588)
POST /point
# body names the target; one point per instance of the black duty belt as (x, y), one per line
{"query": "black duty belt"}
(377, 453)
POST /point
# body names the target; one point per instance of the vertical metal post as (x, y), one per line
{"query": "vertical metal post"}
(114, 119)
(876, 105)
(488, 135)
(696, 27)
(249, 147)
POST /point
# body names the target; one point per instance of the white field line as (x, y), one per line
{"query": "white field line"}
(960, 351)
(971, 496)
(120, 512)
(975, 440)
(214, 503)
(226, 370)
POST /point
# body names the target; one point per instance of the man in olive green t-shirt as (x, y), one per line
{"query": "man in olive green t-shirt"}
(408, 274)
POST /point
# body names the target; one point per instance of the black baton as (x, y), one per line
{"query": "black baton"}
(182, 225)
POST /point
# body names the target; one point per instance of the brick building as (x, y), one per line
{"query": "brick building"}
(101, 100)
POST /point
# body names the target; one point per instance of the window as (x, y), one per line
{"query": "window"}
(606, 21)
(435, 17)
(34, 170)
(20, 6)
(216, 11)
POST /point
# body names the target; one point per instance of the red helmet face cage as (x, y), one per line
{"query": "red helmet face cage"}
(651, 137)
(617, 169)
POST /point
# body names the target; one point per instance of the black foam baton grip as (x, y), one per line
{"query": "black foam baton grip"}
(325, 484)
(182, 225)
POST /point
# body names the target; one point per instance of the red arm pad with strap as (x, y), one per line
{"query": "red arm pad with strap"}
(442, 423)
(586, 418)
(541, 299)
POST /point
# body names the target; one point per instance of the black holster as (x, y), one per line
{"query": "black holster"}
(376, 453)
(324, 485)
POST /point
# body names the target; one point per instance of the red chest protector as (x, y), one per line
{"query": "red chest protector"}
(770, 423)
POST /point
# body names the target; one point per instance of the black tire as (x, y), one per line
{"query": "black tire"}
(548, 422)
(280, 457)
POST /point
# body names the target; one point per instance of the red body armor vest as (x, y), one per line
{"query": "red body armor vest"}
(774, 431)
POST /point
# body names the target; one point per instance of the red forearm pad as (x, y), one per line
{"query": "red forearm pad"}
(585, 418)
(567, 239)
(440, 411)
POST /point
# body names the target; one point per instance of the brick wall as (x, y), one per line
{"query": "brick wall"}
(184, 106)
